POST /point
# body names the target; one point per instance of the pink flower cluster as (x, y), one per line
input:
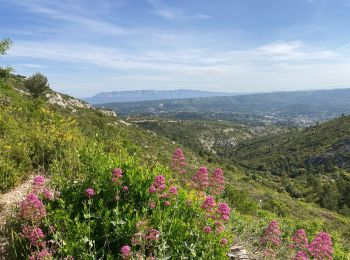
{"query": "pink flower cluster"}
(39, 181)
(173, 190)
(209, 203)
(223, 241)
(35, 236)
(200, 180)
(117, 175)
(224, 211)
(44, 254)
(125, 252)
(145, 235)
(220, 213)
(153, 234)
(299, 240)
(217, 182)
(178, 161)
(207, 229)
(158, 184)
(272, 234)
(32, 208)
(300, 255)
(39, 187)
(321, 247)
(89, 192)
(159, 187)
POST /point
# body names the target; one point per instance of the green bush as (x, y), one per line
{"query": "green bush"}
(37, 84)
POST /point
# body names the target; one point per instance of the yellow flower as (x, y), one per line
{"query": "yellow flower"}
(7, 147)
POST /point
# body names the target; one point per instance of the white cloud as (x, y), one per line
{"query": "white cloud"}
(282, 47)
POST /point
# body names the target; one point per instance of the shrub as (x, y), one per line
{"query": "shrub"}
(37, 84)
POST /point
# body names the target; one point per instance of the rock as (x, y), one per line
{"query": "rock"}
(238, 253)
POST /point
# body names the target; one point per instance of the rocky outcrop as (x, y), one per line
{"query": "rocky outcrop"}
(238, 253)
(73, 103)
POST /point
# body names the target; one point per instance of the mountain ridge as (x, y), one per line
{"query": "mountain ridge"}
(149, 94)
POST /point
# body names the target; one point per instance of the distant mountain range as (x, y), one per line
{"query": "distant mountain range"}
(147, 95)
(300, 108)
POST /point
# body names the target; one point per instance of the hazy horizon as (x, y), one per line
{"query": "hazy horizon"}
(88, 47)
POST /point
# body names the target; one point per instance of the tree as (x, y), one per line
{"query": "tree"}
(37, 84)
(5, 44)
(329, 197)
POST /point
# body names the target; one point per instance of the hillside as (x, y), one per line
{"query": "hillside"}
(143, 95)
(323, 146)
(214, 138)
(316, 158)
(299, 108)
(77, 147)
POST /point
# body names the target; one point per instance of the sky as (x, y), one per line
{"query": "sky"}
(86, 46)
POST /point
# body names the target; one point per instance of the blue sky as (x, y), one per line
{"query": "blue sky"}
(88, 46)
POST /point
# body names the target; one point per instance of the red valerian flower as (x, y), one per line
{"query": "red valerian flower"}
(89, 192)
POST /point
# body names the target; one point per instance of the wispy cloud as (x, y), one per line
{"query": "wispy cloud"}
(75, 15)
(293, 53)
(173, 13)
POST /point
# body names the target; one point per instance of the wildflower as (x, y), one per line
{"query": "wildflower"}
(125, 251)
(178, 161)
(272, 234)
(47, 194)
(32, 208)
(207, 229)
(125, 188)
(152, 189)
(300, 255)
(34, 234)
(299, 239)
(224, 211)
(200, 179)
(38, 184)
(217, 182)
(153, 234)
(44, 254)
(159, 180)
(161, 187)
(166, 203)
(223, 241)
(321, 247)
(39, 180)
(209, 203)
(152, 205)
(117, 174)
(90, 192)
(173, 190)
(158, 184)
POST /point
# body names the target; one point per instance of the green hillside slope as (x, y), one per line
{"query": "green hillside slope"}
(317, 160)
